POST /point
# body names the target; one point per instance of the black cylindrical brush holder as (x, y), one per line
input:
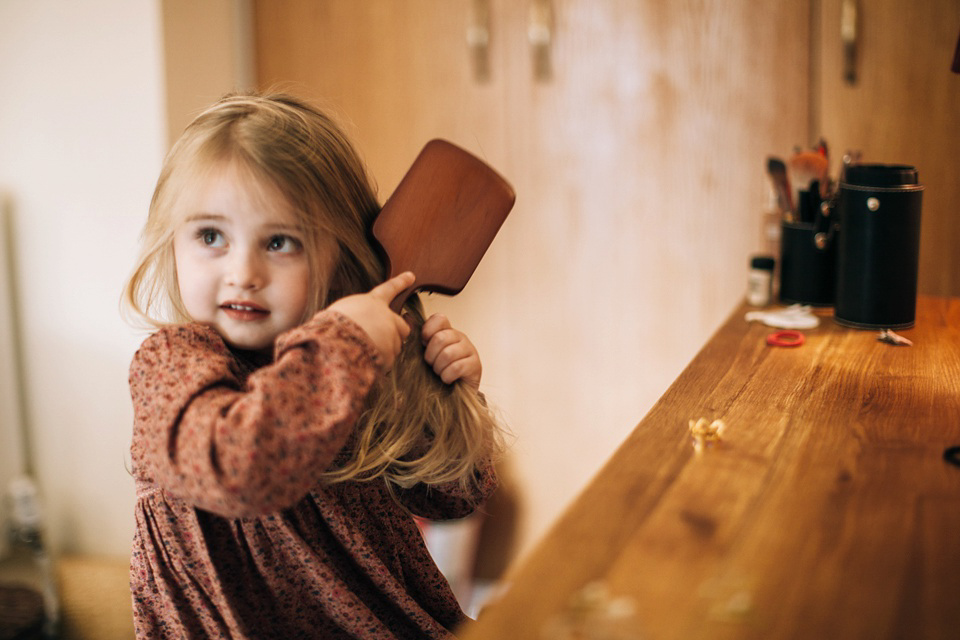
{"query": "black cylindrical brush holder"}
(879, 246)
(807, 271)
(808, 256)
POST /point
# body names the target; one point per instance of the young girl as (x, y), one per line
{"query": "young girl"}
(285, 426)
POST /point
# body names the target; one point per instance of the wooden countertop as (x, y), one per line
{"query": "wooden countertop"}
(826, 511)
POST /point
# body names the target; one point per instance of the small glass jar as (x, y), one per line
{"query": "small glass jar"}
(760, 281)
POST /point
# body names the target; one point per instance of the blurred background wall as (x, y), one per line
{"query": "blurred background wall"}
(93, 94)
(635, 134)
(82, 133)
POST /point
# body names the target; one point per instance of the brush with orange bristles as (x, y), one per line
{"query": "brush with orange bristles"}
(806, 168)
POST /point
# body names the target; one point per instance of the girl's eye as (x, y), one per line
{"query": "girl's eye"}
(211, 238)
(284, 244)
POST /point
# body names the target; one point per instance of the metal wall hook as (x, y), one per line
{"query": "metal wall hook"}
(540, 29)
(478, 39)
(849, 33)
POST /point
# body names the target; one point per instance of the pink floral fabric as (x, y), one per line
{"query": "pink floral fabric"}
(236, 535)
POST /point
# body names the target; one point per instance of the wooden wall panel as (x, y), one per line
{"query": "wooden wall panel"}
(639, 174)
(206, 47)
(904, 109)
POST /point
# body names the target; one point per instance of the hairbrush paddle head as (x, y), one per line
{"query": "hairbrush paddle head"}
(441, 219)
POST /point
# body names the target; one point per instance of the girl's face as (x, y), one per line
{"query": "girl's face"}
(241, 260)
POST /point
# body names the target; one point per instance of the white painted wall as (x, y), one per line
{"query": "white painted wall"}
(12, 458)
(82, 135)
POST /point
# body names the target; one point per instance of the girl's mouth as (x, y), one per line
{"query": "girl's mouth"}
(244, 311)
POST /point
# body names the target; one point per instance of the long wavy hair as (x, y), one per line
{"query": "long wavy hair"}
(414, 428)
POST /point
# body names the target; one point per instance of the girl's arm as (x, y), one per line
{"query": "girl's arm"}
(242, 449)
(247, 449)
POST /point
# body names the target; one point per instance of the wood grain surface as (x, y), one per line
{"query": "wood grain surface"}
(826, 511)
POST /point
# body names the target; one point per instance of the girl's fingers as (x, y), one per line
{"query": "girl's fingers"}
(449, 352)
(403, 327)
(390, 289)
(452, 372)
(439, 342)
(436, 322)
(466, 368)
(386, 329)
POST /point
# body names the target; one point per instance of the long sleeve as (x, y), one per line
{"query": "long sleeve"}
(247, 447)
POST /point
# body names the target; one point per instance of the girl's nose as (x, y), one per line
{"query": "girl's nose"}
(246, 271)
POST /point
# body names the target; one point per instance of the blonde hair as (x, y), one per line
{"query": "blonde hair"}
(415, 428)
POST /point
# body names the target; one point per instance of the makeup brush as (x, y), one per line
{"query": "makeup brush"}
(826, 185)
(823, 150)
(777, 170)
(805, 167)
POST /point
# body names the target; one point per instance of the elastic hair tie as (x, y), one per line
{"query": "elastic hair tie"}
(785, 338)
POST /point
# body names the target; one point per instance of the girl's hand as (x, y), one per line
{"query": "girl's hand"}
(450, 353)
(372, 312)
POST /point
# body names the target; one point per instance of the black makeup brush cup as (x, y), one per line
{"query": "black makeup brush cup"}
(807, 272)
(879, 246)
(808, 256)
(860, 252)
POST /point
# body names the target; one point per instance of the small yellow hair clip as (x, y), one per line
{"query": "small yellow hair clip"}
(705, 433)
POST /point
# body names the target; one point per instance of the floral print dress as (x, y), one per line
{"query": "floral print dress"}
(236, 534)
